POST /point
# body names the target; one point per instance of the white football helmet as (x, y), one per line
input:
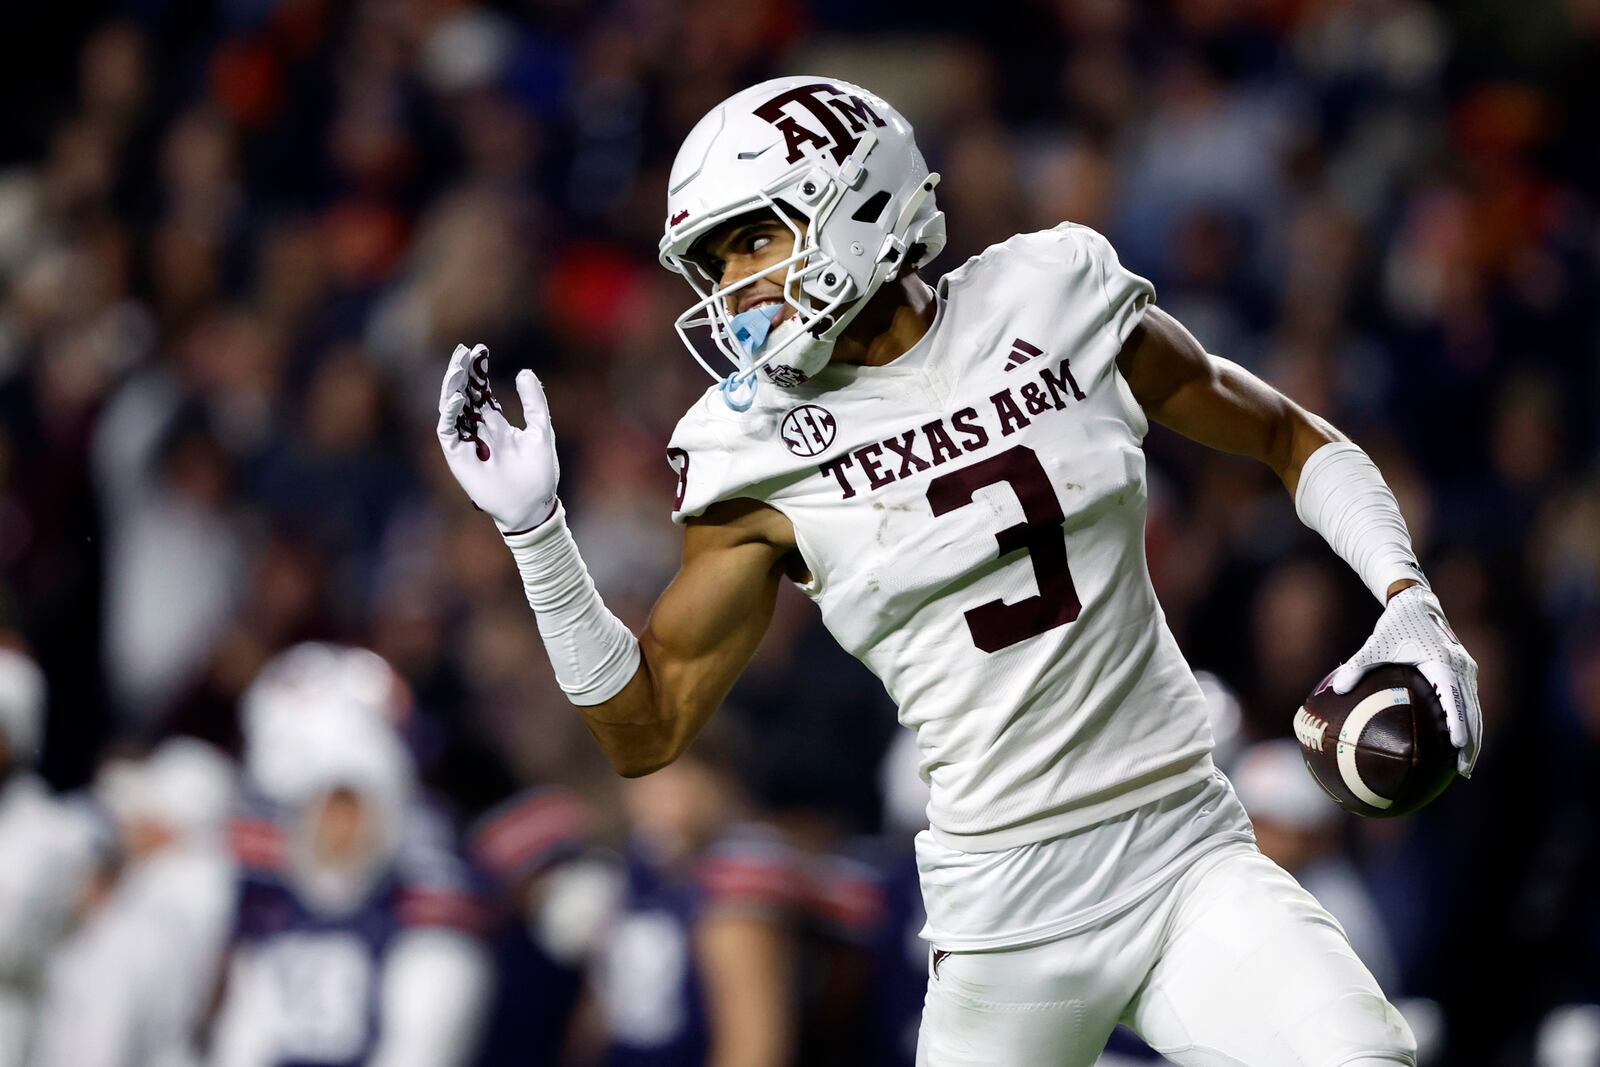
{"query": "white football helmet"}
(310, 681)
(319, 718)
(827, 153)
(184, 784)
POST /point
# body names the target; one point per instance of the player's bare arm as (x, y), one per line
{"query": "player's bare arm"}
(644, 699)
(707, 624)
(1338, 492)
(1217, 402)
(747, 966)
(701, 633)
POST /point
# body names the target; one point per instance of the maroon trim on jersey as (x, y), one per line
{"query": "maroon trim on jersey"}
(678, 459)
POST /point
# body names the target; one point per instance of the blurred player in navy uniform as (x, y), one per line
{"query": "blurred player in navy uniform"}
(555, 891)
(697, 968)
(841, 923)
(356, 934)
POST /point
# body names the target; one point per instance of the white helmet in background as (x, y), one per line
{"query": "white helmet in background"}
(1272, 783)
(344, 751)
(807, 149)
(22, 692)
(308, 682)
(189, 786)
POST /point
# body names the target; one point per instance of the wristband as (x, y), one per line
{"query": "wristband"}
(593, 654)
(1344, 498)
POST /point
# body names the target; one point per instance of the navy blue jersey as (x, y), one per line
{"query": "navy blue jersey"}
(650, 984)
(516, 845)
(843, 910)
(1124, 1048)
(535, 1001)
(326, 969)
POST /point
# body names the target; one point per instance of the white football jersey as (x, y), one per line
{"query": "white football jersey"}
(973, 515)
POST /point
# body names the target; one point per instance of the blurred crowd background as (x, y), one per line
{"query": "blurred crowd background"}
(238, 240)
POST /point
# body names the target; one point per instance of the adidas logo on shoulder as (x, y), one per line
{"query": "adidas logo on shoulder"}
(1022, 352)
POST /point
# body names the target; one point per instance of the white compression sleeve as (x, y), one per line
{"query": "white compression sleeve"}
(1344, 498)
(594, 655)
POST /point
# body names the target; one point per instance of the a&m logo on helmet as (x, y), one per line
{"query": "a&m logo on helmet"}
(821, 115)
(808, 430)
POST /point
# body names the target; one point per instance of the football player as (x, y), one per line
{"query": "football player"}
(955, 475)
(355, 937)
(698, 964)
(555, 890)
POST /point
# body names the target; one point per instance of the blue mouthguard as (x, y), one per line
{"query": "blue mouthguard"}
(750, 328)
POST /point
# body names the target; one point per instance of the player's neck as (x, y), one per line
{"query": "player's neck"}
(895, 319)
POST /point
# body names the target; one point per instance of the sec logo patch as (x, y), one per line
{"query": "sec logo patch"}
(808, 430)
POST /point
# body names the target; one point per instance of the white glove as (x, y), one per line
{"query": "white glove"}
(508, 472)
(1413, 630)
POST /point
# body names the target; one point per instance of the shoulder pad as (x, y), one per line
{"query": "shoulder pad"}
(530, 831)
(847, 897)
(257, 844)
(1068, 261)
(710, 451)
(749, 866)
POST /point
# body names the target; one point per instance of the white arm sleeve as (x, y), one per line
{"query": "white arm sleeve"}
(433, 993)
(1344, 498)
(593, 654)
(244, 1032)
(46, 859)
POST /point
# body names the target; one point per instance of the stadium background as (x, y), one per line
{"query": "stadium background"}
(239, 239)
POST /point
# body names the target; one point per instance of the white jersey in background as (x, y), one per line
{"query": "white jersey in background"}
(972, 515)
(48, 852)
(131, 984)
(130, 987)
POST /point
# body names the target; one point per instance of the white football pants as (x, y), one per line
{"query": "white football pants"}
(1231, 964)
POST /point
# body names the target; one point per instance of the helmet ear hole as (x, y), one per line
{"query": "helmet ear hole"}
(914, 257)
(871, 209)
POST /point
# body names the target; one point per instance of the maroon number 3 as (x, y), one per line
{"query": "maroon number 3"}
(996, 624)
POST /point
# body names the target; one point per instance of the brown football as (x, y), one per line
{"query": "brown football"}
(1383, 748)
